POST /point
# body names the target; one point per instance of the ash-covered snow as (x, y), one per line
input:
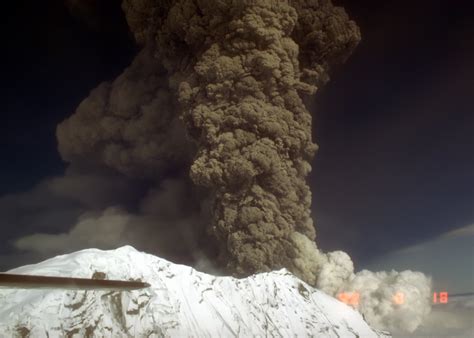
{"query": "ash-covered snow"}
(180, 302)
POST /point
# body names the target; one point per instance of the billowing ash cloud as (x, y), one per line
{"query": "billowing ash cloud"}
(218, 90)
(377, 302)
(239, 70)
(130, 125)
(160, 223)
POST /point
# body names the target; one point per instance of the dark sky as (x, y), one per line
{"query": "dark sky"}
(52, 61)
(395, 127)
(395, 124)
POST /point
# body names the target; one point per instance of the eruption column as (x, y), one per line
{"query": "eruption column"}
(235, 73)
(236, 68)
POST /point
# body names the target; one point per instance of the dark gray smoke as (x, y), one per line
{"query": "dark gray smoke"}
(239, 70)
(218, 89)
(130, 124)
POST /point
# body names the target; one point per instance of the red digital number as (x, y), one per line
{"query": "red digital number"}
(443, 297)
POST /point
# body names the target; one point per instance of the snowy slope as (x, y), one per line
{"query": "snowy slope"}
(180, 302)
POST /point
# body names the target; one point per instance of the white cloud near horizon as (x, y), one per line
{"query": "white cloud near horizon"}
(464, 231)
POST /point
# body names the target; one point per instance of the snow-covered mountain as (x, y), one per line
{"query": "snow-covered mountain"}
(180, 302)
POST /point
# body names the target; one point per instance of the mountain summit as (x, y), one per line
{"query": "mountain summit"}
(180, 302)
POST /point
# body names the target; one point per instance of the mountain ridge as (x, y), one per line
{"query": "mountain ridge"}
(180, 301)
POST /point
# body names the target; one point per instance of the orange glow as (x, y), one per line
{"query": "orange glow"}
(350, 298)
(399, 298)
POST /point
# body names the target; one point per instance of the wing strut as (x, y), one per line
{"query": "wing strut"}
(47, 282)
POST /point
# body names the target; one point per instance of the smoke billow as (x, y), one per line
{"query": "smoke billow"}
(239, 70)
(130, 125)
(219, 89)
(377, 291)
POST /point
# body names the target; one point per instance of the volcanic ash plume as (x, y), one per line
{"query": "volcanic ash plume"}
(219, 87)
(239, 69)
(130, 124)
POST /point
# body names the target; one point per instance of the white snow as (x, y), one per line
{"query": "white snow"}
(180, 302)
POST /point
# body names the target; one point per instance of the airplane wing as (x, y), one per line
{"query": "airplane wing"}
(47, 282)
